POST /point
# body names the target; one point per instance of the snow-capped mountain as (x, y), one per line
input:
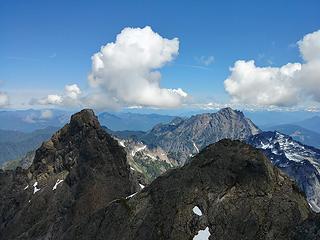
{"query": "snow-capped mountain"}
(300, 162)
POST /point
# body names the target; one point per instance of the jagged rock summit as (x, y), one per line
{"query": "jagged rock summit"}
(229, 191)
(78, 171)
(183, 138)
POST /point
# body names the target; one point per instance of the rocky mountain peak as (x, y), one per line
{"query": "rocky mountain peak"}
(230, 190)
(85, 117)
(79, 170)
(184, 138)
(231, 112)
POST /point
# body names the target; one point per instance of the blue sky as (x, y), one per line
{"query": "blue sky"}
(45, 45)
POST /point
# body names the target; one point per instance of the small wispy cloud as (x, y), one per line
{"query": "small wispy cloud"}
(193, 66)
(205, 60)
(53, 55)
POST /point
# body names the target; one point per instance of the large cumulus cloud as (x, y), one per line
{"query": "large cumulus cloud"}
(126, 72)
(287, 85)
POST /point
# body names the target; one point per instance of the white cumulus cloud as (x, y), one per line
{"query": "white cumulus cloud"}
(51, 99)
(72, 91)
(126, 71)
(309, 46)
(287, 85)
(70, 97)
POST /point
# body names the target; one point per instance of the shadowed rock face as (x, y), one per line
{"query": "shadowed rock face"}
(240, 194)
(78, 171)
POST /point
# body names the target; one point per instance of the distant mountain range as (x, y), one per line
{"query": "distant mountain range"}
(81, 186)
(312, 124)
(298, 133)
(132, 121)
(14, 144)
(30, 120)
(264, 119)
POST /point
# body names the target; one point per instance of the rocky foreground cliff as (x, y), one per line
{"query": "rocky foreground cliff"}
(78, 171)
(80, 187)
(228, 191)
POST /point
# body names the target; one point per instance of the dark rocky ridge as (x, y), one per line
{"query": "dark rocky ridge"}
(94, 171)
(240, 193)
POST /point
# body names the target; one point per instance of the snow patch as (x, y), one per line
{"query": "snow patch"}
(35, 189)
(142, 186)
(195, 146)
(122, 144)
(57, 183)
(138, 150)
(202, 234)
(130, 196)
(151, 156)
(196, 210)
(265, 146)
(26, 187)
(314, 206)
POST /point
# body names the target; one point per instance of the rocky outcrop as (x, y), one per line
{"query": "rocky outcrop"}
(148, 162)
(300, 162)
(78, 171)
(229, 191)
(183, 138)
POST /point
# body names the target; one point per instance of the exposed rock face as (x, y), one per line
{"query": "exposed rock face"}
(27, 160)
(230, 190)
(151, 163)
(300, 162)
(80, 170)
(183, 138)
